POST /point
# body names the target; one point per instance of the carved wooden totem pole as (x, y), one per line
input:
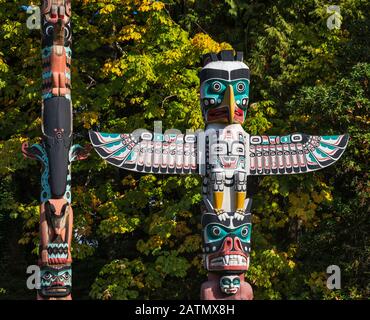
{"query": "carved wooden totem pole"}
(55, 152)
(224, 155)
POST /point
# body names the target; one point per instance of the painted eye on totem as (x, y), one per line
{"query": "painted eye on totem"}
(240, 87)
(216, 86)
(244, 231)
(45, 52)
(47, 276)
(66, 33)
(215, 231)
(225, 281)
(237, 149)
(49, 30)
(236, 281)
(65, 276)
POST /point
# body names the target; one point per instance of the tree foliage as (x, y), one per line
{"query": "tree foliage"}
(136, 62)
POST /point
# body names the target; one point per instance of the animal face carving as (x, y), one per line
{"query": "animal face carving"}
(226, 243)
(56, 281)
(230, 284)
(224, 88)
(227, 149)
(228, 155)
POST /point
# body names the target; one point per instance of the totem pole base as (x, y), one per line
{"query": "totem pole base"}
(210, 289)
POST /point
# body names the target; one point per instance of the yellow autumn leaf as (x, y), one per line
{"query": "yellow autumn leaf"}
(108, 9)
(206, 44)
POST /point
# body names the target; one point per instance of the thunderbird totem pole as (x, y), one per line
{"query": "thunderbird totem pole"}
(224, 155)
(56, 152)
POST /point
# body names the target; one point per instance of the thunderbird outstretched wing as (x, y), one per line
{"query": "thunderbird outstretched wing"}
(296, 153)
(148, 152)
